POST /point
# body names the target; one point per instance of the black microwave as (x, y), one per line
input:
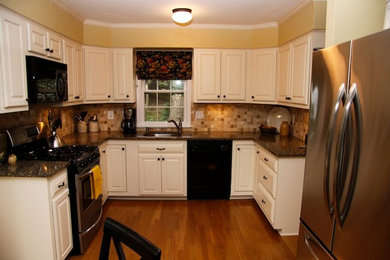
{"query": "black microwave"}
(46, 81)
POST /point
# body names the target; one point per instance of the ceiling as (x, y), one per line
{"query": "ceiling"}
(205, 12)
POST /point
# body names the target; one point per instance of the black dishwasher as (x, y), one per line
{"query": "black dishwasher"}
(209, 167)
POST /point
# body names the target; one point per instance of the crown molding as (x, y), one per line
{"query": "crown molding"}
(174, 26)
(297, 9)
(67, 10)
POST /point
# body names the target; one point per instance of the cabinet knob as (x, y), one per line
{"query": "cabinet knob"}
(238, 149)
(262, 201)
(218, 96)
(257, 152)
(51, 51)
(224, 96)
(47, 49)
(163, 159)
(127, 96)
(287, 98)
(77, 97)
(104, 151)
(265, 159)
(265, 178)
(108, 96)
(158, 159)
(27, 99)
(123, 148)
(253, 97)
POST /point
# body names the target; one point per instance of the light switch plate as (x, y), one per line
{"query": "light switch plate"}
(110, 114)
(198, 114)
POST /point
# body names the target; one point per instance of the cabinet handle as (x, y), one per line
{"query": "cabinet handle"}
(265, 178)
(262, 201)
(123, 148)
(265, 159)
(47, 49)
(51, 51)
(160, 149)
(238, 149)
(77, 97)
(61, 185)
(287, 98)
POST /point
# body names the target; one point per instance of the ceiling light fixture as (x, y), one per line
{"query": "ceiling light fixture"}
(181, 15)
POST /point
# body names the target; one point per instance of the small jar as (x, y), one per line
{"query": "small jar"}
(284, 128)
(81, 127)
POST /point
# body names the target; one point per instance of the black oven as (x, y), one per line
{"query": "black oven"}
(46, 80)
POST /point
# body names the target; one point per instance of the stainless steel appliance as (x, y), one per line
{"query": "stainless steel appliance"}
(30, 143)
(209, 167)
(345, 209)
(129, 122)
(46, 80)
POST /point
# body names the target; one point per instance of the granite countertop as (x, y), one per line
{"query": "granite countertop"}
(32, 169)
(280, 146)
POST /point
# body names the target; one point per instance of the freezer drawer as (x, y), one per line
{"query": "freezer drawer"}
(309, 247)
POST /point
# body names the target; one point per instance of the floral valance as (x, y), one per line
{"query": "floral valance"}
(164, 65)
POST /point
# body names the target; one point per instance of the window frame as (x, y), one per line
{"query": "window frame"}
(141, 106)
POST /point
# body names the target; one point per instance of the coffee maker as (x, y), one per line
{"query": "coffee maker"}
(129, 123)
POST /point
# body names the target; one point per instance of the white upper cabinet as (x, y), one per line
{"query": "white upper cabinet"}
(207, 76)
(294, 69)
(263, 66)
(73, 59)
(123, 74)
(44, 42)
(220, 75)
(98, 74)
(13, 81)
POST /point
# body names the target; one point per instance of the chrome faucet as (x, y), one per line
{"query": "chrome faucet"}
(178, 126)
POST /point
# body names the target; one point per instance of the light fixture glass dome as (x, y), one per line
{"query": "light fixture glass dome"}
(181, 15)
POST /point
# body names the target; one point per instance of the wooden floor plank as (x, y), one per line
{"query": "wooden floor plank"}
(197, 229)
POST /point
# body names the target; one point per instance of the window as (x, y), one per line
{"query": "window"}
(161, 100)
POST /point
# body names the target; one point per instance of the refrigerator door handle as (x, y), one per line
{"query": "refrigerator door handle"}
(341, 213)
(341, 96)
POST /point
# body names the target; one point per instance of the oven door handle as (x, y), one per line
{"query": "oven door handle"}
(84, 174)
(94, 224)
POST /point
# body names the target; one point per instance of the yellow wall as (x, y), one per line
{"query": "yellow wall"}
(48, 14)
(180, 37)
(312, 17)
(351, 19)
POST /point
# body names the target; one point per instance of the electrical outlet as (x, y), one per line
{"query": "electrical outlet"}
(198, 114)
(110, 114)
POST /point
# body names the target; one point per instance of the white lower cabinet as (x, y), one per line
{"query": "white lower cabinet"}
(162, 168)
(243, 168)
(39, 226)
(103, 168)
(278, 189)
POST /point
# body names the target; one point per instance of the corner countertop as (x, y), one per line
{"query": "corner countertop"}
(280, 146)
(32, 169)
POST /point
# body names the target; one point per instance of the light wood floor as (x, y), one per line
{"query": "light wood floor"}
(198, 229)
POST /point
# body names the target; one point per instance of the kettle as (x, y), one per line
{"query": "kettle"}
(129, 124)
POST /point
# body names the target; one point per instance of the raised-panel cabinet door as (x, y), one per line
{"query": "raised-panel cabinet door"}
(300, 66)
(116, 168)
(264, 75)
(55, 45)
(207, 75)
(13, 62)
(244, 168)
(284, 73)
(149, 169)
(78, 72)
(123, 75)
(103, 168)
(36, 39)
(97, 74)
(62, 224)
(173, 174)
(69, 60)
(233, 75)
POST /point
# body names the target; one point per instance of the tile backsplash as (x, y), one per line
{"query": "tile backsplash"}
(216, 117)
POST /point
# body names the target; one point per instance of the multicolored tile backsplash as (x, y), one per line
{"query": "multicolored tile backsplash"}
(216, 117)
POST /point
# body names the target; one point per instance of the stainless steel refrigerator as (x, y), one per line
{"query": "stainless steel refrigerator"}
(346, 197)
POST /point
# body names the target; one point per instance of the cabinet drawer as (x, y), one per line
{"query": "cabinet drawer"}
(266, 203)
(58, 183)
(268, 179)
(270, 160)
(161, 147)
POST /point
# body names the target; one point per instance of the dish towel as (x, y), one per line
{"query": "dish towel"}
(96, 182)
